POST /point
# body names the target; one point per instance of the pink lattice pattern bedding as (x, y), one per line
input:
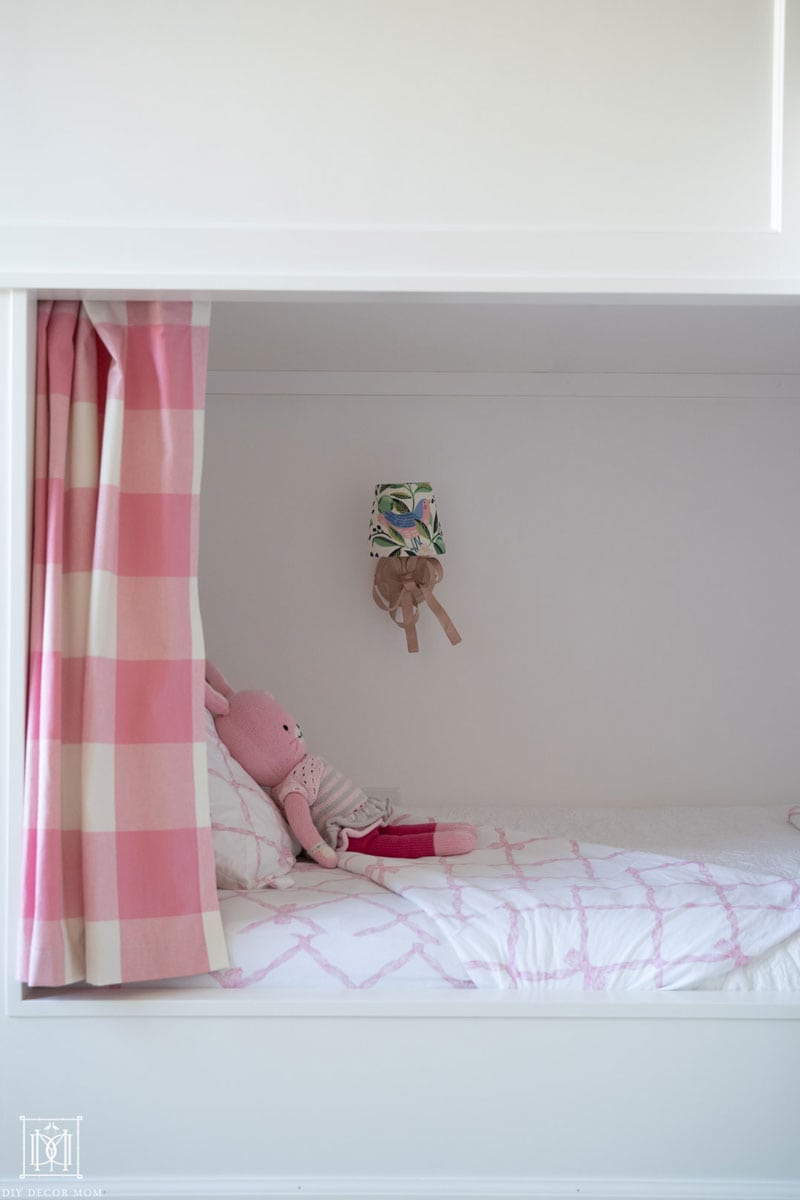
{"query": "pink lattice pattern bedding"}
(332, 930)
(520, 912)
(541, 912)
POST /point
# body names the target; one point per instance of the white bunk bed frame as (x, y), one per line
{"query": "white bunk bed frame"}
(677, 1096)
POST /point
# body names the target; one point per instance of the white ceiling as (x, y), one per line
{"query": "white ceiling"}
(446, 335)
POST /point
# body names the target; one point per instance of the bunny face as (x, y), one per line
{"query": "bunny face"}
(262, 736)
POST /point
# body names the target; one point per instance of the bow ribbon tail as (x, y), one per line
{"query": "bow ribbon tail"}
(442, 616)
(409, 622)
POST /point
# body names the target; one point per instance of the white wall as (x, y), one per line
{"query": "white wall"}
(466, 145)
(543, 1108)
(253, 145)
(621, 548)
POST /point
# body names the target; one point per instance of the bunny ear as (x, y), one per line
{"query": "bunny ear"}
(215, 703)
(217, 680)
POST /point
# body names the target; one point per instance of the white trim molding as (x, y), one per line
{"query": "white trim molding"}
(16, 437)
(398, 1187)
(206, 260)
(546, 384)
(446, 1005)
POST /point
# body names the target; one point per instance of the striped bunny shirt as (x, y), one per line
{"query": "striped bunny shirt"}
(339, 808)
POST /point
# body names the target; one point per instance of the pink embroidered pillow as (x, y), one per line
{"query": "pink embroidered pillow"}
(253, 847)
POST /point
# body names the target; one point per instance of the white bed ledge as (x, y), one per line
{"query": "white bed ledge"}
(202, 1002)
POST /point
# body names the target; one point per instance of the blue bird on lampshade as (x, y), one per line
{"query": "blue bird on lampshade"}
(404, 521)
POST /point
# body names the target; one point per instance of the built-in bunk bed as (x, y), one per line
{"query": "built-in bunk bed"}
(586, 901)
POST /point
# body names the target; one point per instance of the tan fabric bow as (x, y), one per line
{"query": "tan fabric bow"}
(401, 585)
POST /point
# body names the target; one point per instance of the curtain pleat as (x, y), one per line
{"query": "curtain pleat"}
(118, 878)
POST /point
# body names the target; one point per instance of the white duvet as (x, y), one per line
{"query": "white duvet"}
(551, 913)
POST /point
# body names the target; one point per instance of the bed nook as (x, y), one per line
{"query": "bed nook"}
(614, 552)
(593, 791)
(617, 484)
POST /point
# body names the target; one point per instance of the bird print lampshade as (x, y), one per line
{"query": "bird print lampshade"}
(405, 535)
(405, 523)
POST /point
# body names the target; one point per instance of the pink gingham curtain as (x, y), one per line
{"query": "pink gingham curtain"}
(118, 876)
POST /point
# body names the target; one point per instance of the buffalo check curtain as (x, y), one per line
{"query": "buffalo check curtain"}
(118, 876)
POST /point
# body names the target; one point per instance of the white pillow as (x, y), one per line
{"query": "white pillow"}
(253, 847)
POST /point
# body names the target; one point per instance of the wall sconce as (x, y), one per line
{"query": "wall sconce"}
(406, 536)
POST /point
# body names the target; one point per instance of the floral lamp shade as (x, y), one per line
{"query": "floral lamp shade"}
(405, 535)
(405, 522)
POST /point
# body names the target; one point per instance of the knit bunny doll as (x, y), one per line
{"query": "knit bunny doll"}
(326, 812)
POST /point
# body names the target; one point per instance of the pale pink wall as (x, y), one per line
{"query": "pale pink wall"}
(623, 569)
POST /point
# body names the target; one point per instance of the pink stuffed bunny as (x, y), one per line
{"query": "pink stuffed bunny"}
(325, 810)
